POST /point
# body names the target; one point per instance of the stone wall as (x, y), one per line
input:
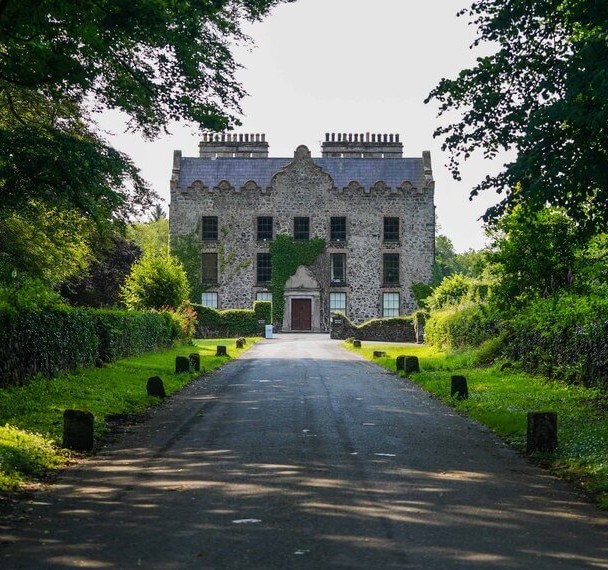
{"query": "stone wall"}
(396, 329)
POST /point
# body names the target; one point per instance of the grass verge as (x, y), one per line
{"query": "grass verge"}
(32, 415)
(501, 399)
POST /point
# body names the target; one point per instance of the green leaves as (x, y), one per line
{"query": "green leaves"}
(543, 93)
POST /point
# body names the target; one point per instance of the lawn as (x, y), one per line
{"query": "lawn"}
(32, 415)
(501, 400)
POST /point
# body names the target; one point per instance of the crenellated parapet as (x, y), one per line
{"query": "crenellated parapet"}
(232, 145)
(362, 145)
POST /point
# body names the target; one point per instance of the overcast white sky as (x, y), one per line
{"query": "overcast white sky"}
(346, 66)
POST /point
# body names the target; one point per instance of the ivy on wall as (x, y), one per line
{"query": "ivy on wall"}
(286, 256)
(187, 249)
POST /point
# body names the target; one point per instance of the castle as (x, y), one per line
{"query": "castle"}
(373, 207)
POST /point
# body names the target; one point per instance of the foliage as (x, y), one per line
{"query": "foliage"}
(543, 93)
(233, 322)
(286, 256)
(151, 237)
(101, 287)
(155, 282)
(115, 389)
(533, 253)
(126, 333)
(187, 249)
(461, 326)
(45, 243)
(456, 290)
(563, 337)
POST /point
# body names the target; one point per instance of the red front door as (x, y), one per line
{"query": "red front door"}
(301, 315)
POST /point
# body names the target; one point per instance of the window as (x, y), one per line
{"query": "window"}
(264, 272)
(209, 273)
(263, 296)
(209, 300)
(391, 229)
(390, 305)
(337, 230)
(264, 228)
(301, 229)
(338, 268)
(337, 302)
(390, 269)
(209, 228)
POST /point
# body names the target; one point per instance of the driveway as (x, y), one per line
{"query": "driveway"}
(303, 455)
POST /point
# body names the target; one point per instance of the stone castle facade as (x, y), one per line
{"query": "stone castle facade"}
(374, 208)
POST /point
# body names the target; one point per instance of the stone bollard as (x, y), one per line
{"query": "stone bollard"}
(400, 363)
(459, 389)
(240, 342)
(379, 353)
(357, 343)
(78, 430)
(182, 364)
(221, 351)
(542, 431)
(195, 361)
(155, 387)
(411, 364)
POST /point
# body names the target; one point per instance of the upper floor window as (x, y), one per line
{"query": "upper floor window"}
(264, 229)
(301, 229)
(390, 269)
(209, 228)
(209, 269)
(337, 230)
(338, 268)
(264, 268)
(391, 229)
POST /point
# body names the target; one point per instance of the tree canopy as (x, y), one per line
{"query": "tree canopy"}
(544, 94)
(60, 61)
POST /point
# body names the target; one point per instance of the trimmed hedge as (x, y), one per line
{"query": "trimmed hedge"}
(459, 327)
(232, 322)
(60, 338)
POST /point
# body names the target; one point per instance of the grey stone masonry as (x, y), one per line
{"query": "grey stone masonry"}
(363, 181)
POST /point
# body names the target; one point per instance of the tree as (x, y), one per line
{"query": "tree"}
(157, 61)
(534, 254)
(101, 286)
(152, 237)
(156, 282)
(543, 94)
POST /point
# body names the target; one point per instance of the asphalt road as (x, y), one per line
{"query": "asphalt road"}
(302, 455)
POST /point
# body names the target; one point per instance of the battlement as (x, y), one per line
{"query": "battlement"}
(360, 145)
(232, 145)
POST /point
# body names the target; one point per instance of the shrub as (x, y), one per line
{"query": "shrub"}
(155, 282)
(232, 322)
(462, 326)
(457, 290)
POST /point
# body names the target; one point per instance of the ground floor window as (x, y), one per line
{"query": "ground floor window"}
(390, 305)
(337, 303)
(209, 299)
(263, 296)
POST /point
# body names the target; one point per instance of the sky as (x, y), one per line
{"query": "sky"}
(348, 66)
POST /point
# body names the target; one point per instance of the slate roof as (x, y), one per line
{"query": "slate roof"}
(367, 171)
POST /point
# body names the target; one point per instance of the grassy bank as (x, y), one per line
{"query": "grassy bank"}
(32, 415)
(501, 400)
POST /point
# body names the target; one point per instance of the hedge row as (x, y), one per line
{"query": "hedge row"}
(232, 322)
(563, 337)
(60, 338)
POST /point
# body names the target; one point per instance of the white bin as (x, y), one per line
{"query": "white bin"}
(268, 331)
